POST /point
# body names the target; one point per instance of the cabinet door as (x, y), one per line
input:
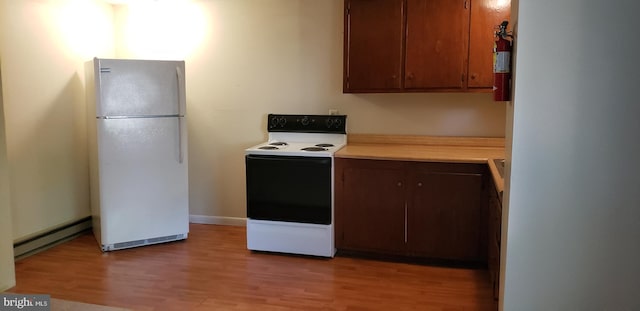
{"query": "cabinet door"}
(369, 207)
(436, 44)
(445, 215)
(485, 16)
(373, 45)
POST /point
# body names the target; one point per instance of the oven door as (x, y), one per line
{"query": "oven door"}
(289, 188)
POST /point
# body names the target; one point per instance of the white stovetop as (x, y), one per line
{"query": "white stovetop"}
(297, 141)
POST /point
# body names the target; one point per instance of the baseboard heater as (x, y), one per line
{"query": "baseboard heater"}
(51, 238)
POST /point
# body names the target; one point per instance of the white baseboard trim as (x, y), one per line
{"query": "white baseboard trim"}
(217, 220)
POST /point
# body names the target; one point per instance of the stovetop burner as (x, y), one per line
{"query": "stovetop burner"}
(325, 145)
(314, 149)
(278, 143)
(268, 148)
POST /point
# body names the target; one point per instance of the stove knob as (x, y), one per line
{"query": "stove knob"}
(337, 123)
(329, 123)
(305, 121)
(273, 122)
(282, 121)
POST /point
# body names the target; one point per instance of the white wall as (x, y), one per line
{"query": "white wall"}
(513, 27)
(43, 45)
(7, 269)
(574, 209)
(279, 56)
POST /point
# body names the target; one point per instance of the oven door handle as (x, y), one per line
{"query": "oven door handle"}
(292, 159)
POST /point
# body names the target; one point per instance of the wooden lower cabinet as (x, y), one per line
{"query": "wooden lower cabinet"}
(430, 210)
(447, 208)
(368, 197)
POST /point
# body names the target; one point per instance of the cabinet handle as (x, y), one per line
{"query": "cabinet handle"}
(393, 77)
(410, 76)
(473, 76)
(399, 184)
(419, 184)
(405, 222)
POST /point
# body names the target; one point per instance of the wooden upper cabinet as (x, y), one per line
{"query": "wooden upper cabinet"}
(420, 45)
(436, 44)
(485, 16)
(373, 45)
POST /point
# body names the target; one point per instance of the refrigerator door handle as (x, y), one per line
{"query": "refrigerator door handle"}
(180, 91)
(180, 156)
(181, 98)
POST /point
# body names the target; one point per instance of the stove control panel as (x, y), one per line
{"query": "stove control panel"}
(307, 123)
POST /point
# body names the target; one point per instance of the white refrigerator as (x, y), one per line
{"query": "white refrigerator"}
(138, 152)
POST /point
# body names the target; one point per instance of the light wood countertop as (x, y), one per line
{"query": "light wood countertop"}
(497, 180)
(427, 149)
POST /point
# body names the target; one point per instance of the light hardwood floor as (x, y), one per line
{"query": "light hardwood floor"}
(213, 270)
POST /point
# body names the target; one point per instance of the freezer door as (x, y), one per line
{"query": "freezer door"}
(139, 87)
(143, 178)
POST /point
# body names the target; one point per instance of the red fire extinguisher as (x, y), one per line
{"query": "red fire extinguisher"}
(502, 48)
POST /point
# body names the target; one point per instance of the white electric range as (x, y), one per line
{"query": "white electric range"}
(289, 183)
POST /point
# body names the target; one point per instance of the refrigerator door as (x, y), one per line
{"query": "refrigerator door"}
(133, 88)
(143, 178)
